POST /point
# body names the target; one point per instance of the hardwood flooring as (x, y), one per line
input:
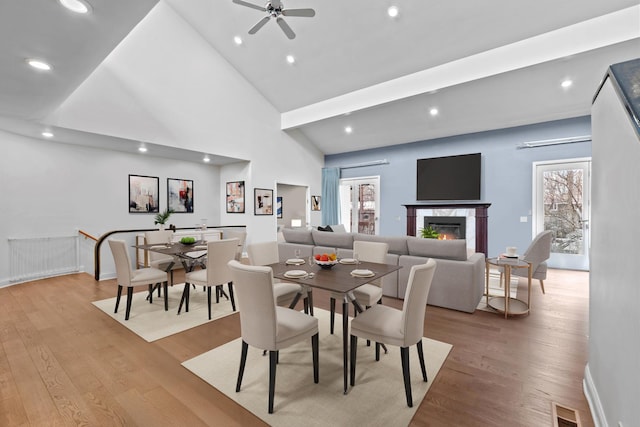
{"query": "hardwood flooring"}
(64, 363)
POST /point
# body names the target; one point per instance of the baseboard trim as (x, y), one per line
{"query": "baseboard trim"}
(591, 393)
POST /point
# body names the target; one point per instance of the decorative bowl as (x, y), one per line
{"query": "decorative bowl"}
(188, 241)
(326, 264)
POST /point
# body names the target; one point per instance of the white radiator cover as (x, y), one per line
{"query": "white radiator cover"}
(35, 258)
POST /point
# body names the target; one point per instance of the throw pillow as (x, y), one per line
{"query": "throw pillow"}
(327, 228)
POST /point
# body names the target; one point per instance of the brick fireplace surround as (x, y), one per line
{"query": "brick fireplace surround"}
(481, 219)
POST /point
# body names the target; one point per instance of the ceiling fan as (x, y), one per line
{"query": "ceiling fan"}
(275, 9)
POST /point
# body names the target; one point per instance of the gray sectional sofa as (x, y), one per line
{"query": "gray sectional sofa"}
(458, 282)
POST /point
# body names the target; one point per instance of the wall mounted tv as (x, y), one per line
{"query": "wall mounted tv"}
(449, 178)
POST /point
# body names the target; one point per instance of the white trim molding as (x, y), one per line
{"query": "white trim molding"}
(590, 392)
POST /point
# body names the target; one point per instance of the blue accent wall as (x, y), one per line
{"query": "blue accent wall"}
(507, 174)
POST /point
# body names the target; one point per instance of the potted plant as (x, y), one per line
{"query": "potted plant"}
(429, 233)
(162, 217)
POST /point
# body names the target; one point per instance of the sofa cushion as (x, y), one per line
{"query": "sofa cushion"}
(434, 248)
(335, 240)
(295, 235)
(338, 228)
(397, 245)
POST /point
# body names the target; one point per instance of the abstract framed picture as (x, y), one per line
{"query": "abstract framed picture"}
(180, 195)
(143, 194)
(235, 197)
(315, 203)
(263, 201)
(279, 207)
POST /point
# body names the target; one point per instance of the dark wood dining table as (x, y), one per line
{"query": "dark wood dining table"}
(338, 279)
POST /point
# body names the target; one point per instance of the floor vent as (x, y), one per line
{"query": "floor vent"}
(564, 416)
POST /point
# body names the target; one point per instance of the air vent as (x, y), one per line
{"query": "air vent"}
(564, 416)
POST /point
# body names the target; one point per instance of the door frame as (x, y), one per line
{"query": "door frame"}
(365, 180)
(537, 220)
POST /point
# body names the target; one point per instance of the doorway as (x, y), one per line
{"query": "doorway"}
(562, 204)
(359, 204)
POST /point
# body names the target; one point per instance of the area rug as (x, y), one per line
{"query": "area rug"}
(152, 323)
(377, 399)
(495, 290)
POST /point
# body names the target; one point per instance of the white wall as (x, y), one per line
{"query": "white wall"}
(612, 375)
(52, 189)
(165, 84)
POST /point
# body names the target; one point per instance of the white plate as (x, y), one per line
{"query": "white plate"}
(348, 261)
(295, 274)
(295, 261)
(362, 273)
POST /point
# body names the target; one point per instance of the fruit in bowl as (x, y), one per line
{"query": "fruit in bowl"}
(325, 260)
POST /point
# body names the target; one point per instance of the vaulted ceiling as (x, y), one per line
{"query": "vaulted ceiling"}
(482, 65)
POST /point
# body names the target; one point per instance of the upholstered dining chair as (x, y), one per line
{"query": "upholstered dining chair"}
(217, 273)
(156, 259)
(130, 278)
(537, 254)
(265, 325)
(265, 253)
(241, 235)
(402, 328)
(369, 293)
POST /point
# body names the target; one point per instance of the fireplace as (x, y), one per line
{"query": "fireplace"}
(478, 226)
(448, 227)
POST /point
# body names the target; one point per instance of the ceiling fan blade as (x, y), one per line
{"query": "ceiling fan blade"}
(259, 25)
(299, 12)
(286, 28)
(251, 5)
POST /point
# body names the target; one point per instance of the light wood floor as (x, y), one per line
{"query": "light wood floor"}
(64, 363)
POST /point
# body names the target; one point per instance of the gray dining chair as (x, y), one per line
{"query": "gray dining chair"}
(265, 253)
(369, 293)
(402, 328)
(266, 326)
(216, 273)
(157, 259)
(129, 278)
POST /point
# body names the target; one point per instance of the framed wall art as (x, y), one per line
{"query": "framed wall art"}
(143, 194)
(263, 201)
(279, 207)
(235, 197)
(180, 195)
(315, 203)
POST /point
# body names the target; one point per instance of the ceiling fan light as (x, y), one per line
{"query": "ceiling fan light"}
(76, 6)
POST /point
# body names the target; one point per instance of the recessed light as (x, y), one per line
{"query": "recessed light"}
(291, 59)
(38, 64)
(348, 129)
(237, 40)
(206, 159)
(393, 11)
(76, 6)
(47, 134)
(433, 111)
(142, 149)
(566, 83)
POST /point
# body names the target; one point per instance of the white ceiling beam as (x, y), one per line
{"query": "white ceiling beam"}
(606, 30)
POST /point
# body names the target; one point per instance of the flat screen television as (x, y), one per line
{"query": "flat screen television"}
(449, 178)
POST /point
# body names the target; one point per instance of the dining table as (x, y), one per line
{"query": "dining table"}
(337, 279)
(189, 255)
